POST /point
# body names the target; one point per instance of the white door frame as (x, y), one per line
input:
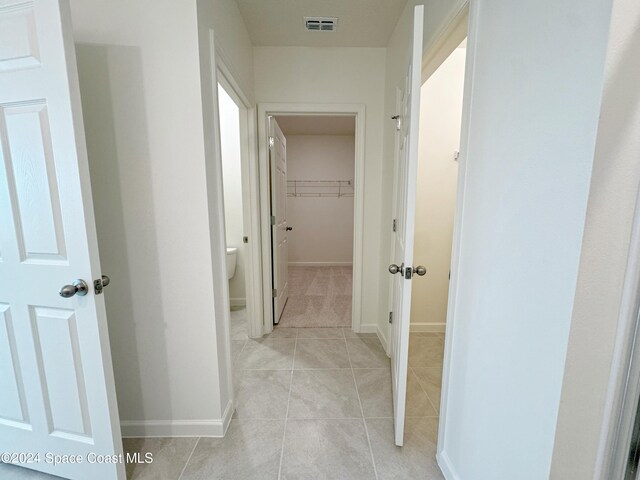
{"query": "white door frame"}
(250, 196)
(264, 111)
(624, 387)
(447, 38)
(461, 23)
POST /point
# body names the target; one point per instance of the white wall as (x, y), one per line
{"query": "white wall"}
(440, 119)
(232, 180)
(537, 81)
(232, 41)
(612, 202)
(338, 75)
(322, 227)
(142, 105)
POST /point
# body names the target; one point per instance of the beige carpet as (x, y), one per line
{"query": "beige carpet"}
(318, 297)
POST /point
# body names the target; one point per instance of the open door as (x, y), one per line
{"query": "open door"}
(404, 215)
(279, 228)
(57, 393)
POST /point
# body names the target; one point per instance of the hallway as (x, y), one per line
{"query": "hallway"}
(311, 403)
(316, 403)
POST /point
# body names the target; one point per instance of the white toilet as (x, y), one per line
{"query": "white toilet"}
(232, 255)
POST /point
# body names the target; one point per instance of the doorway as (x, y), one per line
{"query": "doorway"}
(241, 211)
(439, 145)
(319, 207)
(230, 145)
(318, 218)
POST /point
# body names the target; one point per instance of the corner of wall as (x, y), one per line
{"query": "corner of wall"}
(444, 463)
(216, 427)
(382, 334)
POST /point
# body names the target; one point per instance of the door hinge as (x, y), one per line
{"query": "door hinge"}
(273, 220)
(245, 239)
(398, 120)
(272, 142)
(390, 317)
(274, 292)
(395, 225)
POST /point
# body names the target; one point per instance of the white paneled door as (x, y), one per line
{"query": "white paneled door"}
(279, 243)
(57, 395)
(404, 214)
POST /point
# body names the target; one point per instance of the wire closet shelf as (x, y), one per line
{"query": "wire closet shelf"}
(319, 188)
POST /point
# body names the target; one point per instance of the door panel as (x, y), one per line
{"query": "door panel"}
(56, 379)
(18, 36)
(55, 334)
(31, 179)
(280, 244)
(405, 206)
(13, 403)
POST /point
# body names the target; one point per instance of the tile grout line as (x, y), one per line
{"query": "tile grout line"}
(364, 422)
(437, 410)
(189, 458)
(425, 392)
(286, 415)
(243, 345)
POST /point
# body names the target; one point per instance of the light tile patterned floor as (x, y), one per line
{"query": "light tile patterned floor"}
(311, 403)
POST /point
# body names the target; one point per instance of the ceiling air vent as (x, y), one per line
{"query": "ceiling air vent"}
(321, 24)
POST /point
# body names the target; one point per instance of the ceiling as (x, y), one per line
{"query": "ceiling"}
(317, 125)
(361, 23)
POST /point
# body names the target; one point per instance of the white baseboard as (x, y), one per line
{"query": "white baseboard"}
(446, 468)
(238, 302)
(178, 428)
(427, 327)
(368, 328)
(226, 417)
(374, 328)
(320, 264)
(383, 339)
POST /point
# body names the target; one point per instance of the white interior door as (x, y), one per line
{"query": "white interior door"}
(279, 243)
(57, 392)
(405, 209)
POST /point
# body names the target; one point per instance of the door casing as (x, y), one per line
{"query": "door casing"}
(463, 22)
(272, 109)
(250, 194)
